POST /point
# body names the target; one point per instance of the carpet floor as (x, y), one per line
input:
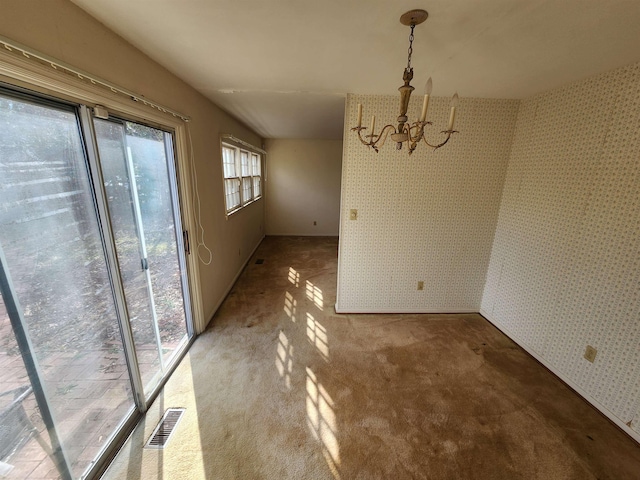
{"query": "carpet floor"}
(281, 387)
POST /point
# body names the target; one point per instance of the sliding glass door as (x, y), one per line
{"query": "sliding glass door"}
(56, 296)
(93, 298)
(136, 163)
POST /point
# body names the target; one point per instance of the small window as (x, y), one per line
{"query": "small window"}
(231, 178)
(257, 175)
(247, 191)
(242, 177)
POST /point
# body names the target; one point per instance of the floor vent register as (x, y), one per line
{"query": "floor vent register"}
(165, 428)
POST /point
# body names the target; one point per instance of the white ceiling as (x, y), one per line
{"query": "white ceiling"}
(283, 67)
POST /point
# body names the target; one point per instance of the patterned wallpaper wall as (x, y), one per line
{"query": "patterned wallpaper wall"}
(426, 217)
(565, 265)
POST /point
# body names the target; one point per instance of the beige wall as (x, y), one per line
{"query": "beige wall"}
(426, 217)
(62, 30)
(565, 265)
(303, 187)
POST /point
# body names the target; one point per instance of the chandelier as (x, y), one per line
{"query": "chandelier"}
(409, 133)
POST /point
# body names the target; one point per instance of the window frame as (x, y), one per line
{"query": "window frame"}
(254, 176)
(235, 179)
(244, 175)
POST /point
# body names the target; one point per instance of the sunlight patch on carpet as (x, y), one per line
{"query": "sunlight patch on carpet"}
(290, 306)
(315, 295)
(321, 420)
(317, 335)
(294, 277)
(284, 359)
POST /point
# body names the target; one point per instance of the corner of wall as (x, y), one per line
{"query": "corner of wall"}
(560, 275)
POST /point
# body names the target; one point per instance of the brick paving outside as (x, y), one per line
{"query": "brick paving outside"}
(89, 391)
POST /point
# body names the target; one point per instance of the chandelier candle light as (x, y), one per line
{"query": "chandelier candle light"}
(412, 134)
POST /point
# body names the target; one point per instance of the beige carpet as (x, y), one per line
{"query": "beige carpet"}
(280, 387)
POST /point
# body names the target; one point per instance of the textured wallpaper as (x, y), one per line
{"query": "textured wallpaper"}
(427, 217)
(565, 265)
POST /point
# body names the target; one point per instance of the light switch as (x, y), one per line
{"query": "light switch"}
(353, 214)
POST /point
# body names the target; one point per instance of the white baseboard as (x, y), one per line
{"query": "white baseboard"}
(232, 283)
(335, 234)
(607, 413)
(356, 311)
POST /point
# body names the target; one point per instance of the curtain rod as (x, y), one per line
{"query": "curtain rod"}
(242, 142)
(27, 52)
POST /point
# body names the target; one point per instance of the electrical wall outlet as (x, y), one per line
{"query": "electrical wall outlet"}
(590, 353)
(420, 285)
(353, 214)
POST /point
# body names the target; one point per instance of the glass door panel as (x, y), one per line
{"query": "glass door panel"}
(136, 162)
(151, 154)
(54, 257)
(129, 248)
(25, 444)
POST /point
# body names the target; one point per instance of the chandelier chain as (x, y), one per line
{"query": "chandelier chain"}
(410, 51)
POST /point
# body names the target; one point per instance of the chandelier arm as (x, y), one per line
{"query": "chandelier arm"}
(359, 130)
(413, 141)
(368, 143)
(379, 139)
(448, 132)
(382, 137)
(419, 129)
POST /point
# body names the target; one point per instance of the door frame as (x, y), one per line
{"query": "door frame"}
(88, 121)
(142, 402)
(32, 77)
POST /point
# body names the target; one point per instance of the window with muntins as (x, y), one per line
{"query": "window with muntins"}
(242, 177)
(257, 175)
(231, 179)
